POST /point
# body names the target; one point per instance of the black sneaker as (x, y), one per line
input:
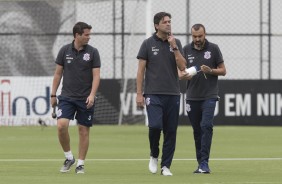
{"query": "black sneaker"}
(79, 169)
(67, 165)
(197, 170)
(204, 168)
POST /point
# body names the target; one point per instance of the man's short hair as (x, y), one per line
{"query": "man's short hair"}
(196, 27)
(159, 16)
(79, 28)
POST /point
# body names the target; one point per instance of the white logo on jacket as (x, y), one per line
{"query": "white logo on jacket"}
(86, 57)
(155, 51)
(207, 55)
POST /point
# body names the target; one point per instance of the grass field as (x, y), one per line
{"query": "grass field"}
(120, 154)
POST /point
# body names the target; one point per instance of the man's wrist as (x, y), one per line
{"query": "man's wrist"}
(175, 48)
(53, 96)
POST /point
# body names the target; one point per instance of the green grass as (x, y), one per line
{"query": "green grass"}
(119, 155)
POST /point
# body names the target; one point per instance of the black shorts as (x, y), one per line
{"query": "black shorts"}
(70, 108)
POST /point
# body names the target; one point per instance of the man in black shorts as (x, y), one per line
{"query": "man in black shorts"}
(79, 65)
(160, 58)
(202, 91)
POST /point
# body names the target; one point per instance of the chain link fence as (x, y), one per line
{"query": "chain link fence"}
(248, 33)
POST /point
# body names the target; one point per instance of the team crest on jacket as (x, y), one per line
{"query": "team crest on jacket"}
(207, 55)
(86, 57)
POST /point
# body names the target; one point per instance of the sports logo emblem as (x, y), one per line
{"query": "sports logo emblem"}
(59, 112)
(155, 50)
(86, 57)
(188, 108)
(207, 55)
(148, 101)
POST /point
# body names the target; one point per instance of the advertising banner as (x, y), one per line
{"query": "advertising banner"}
(26, 101)
(250, 102)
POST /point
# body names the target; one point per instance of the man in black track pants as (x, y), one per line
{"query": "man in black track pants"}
(202, 91)
(160, 58)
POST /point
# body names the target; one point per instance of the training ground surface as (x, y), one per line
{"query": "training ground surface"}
(120, 155)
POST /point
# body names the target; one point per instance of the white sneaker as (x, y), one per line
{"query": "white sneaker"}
(153, 165)
(166, 171)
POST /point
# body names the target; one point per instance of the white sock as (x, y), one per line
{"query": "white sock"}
(68, 155)
(80, 162)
